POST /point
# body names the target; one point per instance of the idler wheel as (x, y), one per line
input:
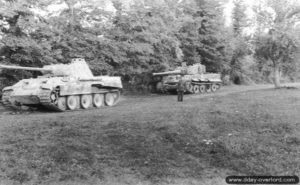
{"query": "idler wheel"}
(116, 96)
(72, 102)
(86, 101)
(112, 98)
(98, 100)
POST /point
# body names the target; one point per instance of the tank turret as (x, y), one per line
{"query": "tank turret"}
(63, 87)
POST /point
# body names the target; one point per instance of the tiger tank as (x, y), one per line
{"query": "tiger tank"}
(195, 78)
(63, 87)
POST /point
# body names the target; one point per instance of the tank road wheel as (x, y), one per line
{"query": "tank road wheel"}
(208, 88)
(214, 87)
(61, 103)
(202, 88)
(196, 89)
(86, 101)
(110, 99)
(72, 102)
(98, 100)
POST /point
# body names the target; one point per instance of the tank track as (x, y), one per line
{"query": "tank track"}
(46, 102)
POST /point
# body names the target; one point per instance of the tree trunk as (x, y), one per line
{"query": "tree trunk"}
(276, 78)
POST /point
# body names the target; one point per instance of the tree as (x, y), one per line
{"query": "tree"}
(17, 46)
(201, 35)
(279, 44)
(144, 37)
(240, 44)
(144, 40)
(277, 50)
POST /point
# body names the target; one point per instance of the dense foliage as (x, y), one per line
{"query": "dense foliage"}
(136, 37)
(275, 50)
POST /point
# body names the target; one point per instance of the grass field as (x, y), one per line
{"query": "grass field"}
(156, 140)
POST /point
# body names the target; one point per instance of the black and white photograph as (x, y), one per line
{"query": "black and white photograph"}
(149, 92)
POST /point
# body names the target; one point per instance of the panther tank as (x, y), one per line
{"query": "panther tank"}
(63, 87)
(195, 78)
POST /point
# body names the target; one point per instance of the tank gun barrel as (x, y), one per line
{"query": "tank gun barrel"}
(175, 72)
(25, 68)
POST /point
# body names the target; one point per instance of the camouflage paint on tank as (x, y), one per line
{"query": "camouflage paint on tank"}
(191, 75)
(59, 81)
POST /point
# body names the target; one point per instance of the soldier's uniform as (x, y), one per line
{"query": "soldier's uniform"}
(180, 89)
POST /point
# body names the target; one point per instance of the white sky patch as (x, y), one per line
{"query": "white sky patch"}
(57, 7)
(53, 10)
(228, 10)
(109, 6)
(228, 7)
(38, 11)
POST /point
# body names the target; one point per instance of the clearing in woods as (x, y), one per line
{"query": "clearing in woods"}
(157, 140)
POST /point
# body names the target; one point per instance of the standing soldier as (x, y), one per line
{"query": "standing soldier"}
(180, 88)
